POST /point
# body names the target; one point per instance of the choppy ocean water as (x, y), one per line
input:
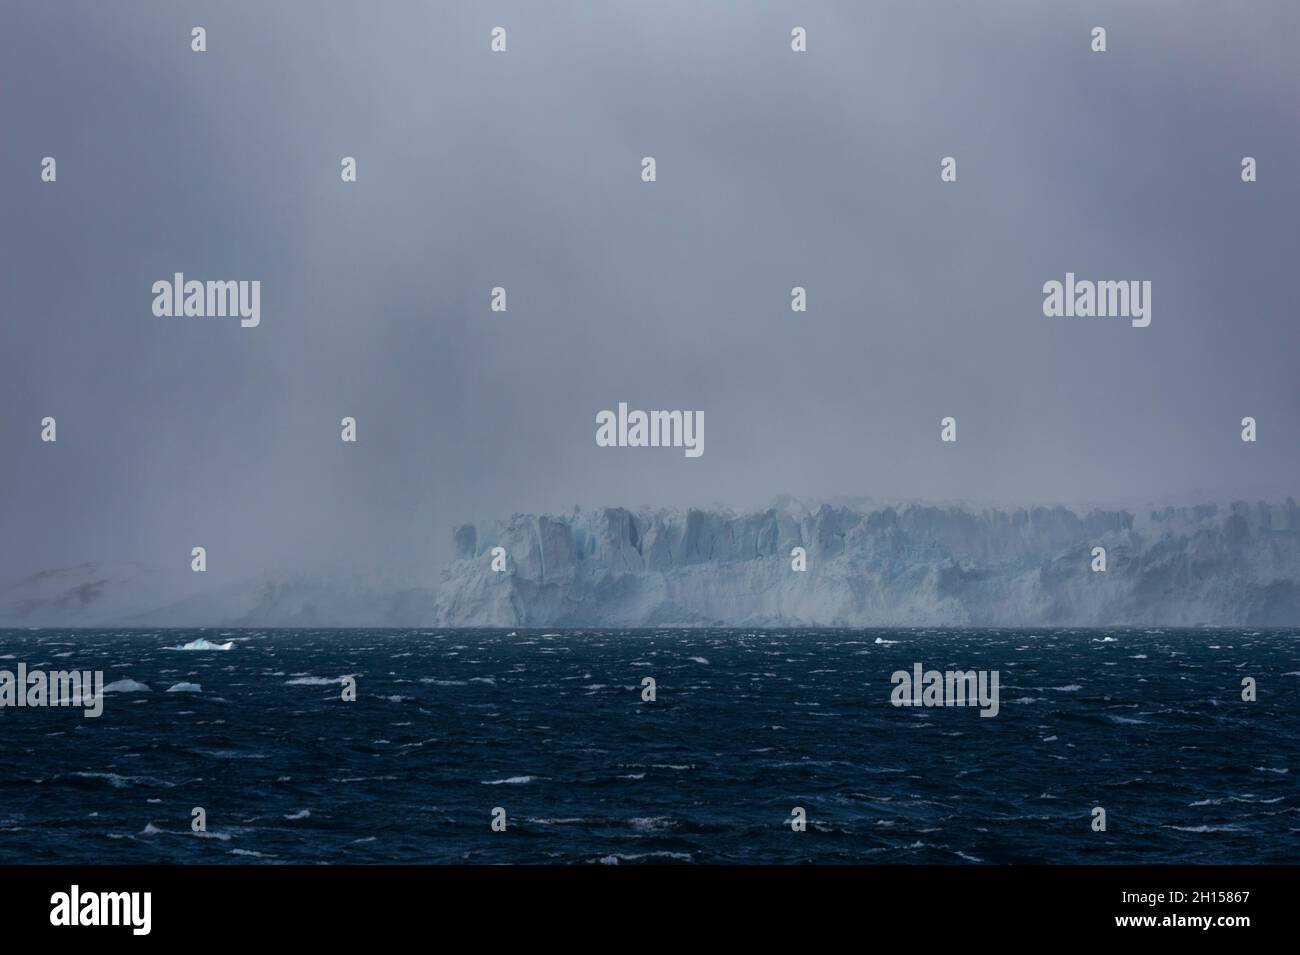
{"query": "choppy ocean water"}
(550, 726)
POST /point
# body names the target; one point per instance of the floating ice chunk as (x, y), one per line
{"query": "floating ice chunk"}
(125, 686)
(201, 644)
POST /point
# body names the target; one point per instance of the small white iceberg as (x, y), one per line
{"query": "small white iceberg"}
(201, 644)
(185, 688)
(126, 686)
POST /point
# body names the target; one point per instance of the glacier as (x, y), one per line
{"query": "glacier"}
(910, 565)
(869, 564)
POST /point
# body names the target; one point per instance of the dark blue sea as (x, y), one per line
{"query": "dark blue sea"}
(551, 727)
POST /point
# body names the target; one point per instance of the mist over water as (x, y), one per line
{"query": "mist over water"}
(747, 725)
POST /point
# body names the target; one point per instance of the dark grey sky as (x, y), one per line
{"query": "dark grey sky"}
(522, 170)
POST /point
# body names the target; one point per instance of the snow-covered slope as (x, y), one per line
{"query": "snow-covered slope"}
(85, 595)
(125, 595)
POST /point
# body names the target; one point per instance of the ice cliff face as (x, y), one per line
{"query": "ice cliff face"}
(1234, 565)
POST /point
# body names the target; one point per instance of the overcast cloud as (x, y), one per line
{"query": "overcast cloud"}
(523, 170)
